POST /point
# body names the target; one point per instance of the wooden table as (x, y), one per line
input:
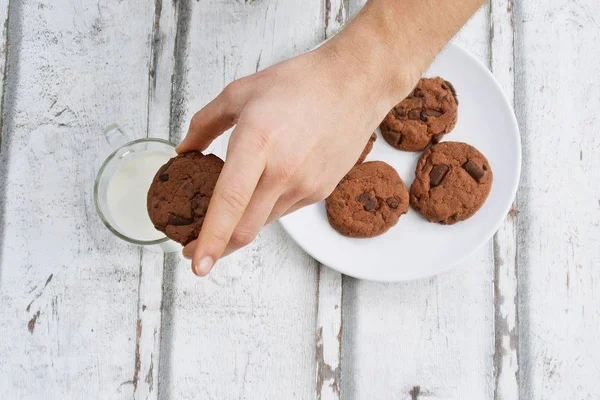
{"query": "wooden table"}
(86, 316)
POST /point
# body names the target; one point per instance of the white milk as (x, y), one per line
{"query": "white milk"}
(127, 191)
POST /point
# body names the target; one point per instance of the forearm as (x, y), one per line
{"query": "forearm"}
(398, 39)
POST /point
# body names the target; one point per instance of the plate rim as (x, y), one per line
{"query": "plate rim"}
(485, 238)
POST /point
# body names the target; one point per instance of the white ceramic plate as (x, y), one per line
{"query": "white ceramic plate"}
(416, 248)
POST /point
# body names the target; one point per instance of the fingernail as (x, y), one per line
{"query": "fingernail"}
(186, 253)
(204, 266)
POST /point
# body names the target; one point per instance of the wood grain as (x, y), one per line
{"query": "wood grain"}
(84, 315)
(425, 339)
(556, 86)
(506, 332)
(248, 329)
(150, 289)
(329, 301)
(329, 334)
(68, 288)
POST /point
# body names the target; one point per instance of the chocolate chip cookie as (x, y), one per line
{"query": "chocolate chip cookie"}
(367, 149)
(180, 192)
(424, 117)
(452, 181)
(367, 201)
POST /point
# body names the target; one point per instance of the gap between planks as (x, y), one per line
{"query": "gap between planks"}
(152, 263)
(329, 290)
(3, 58)
(506, 319)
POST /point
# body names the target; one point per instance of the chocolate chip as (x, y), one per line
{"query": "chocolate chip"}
(392, 202)
(437, 174)
(474, 170)
(450, 86)
(369, 203)
(414, 114)
(163, 177)
(395, 135)
(435, 139)
(399, 114)
(423, 116)
(188, 188)
(450, 220)
(199, 205)
(433, 113)
(364, 197)
(419, 93)
(176, 220)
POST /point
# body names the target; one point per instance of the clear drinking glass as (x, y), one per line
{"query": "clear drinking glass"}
(126, 153)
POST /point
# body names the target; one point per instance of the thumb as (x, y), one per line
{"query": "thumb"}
(212, 120)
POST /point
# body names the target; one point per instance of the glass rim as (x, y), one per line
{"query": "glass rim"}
(104, 220)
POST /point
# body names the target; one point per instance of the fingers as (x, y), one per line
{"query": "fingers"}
(214, 119)
(188, 250)
(296, 207)
(255, 217)
(289, 209)
(283, 204)
(267, 205)
(293, 201)
(243, 168)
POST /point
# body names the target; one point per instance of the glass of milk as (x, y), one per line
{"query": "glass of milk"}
(122, 184)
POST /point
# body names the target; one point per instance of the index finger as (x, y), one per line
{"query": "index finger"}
(233, 191)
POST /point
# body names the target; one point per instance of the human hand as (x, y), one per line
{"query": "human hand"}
(300, 126)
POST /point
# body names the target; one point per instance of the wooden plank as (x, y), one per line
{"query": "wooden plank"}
(329, 301)
(148, 327)
(68, 288)
(557, 63)
(425, 339)
(329, 334)
(506, 332)
(248, 329)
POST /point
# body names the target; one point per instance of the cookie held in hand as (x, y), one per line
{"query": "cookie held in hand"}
(368, 201)
(179, 195)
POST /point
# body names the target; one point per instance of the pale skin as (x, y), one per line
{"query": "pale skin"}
(300, 125)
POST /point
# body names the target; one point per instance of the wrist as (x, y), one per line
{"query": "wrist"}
(368, 56)
(393, 42)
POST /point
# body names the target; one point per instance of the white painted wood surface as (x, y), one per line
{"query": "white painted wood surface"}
(557, 60)
(68, 290)
(329, 301)
(148, 328)
(248, 330)
(426, 339)
(506, 335)
(83, 315)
